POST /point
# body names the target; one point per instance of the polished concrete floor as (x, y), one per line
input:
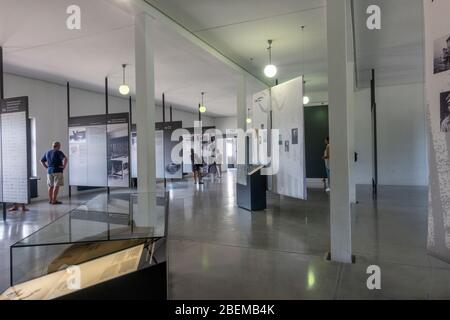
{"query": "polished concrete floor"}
(218, 251)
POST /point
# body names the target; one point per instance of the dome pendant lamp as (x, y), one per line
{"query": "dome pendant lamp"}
(124, 89)
(270, 70)
(202, 108)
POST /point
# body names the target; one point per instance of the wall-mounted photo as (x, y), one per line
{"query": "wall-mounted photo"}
(294, 136)
(442, 54)
(77, 135)
(445, 111)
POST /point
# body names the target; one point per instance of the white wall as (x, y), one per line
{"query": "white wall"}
(401, 136)
(225, 123)
(188, 118)
(48, 105)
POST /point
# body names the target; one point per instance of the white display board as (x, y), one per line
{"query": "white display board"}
(87, 154)
(15, 162)
(288, 118)
(133, 152)
(437, 78)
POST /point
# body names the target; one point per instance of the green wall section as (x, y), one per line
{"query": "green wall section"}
(316, 130)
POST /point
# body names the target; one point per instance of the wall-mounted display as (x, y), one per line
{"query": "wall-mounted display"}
(295, 136)
(14, 157)
(437, 82)
(445, 111)
(441, 57)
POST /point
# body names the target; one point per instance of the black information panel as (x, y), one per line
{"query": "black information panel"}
(166, 167)
(118, 150)
(15, 160)
(98, 150)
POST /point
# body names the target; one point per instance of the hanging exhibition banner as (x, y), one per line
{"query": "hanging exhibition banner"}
(165, 167)
(118, 150)
(288, 118)
(14, 158)
(437, 88)
(260, 122)
(99, 150)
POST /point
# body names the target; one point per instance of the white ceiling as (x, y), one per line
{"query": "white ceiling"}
(240, 30)
(37, 44)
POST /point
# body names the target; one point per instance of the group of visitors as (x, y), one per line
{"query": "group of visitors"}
(201, 168)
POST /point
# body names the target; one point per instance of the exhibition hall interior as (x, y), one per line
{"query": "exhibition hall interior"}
(224, 150)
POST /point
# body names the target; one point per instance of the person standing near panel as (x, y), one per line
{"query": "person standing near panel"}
(219, 160)
(55, 161)
(326, 158)
(196, 167)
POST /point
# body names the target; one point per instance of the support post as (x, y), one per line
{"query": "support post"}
(145, 102)
(375, 135)
(108, 189)
(2, 96)
(164, 146)
(338, 48)
(68, 120)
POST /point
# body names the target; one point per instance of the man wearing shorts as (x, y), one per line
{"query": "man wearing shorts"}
(55, 162)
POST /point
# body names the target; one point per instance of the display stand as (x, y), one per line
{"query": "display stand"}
(251, 195)
(115, 242)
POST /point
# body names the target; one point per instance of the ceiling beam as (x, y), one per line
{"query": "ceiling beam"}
(146, 6)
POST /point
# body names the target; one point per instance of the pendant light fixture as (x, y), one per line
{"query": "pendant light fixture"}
(306, 99)
(249, 119)
(124, 89)
(202, 108)
(270, 70)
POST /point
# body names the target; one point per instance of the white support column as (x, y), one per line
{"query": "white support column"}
(145, 103)
(341, 240)
(241, 115)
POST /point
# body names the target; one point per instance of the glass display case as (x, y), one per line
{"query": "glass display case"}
(107, 237)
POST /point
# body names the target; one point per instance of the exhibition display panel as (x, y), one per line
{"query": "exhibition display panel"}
(99, 149)
(437, 83)
(14, 155)
(166, 168)
(288, 118)
(109, 237)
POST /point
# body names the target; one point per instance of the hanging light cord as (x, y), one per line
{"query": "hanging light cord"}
(124, 66)
(270, 51)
